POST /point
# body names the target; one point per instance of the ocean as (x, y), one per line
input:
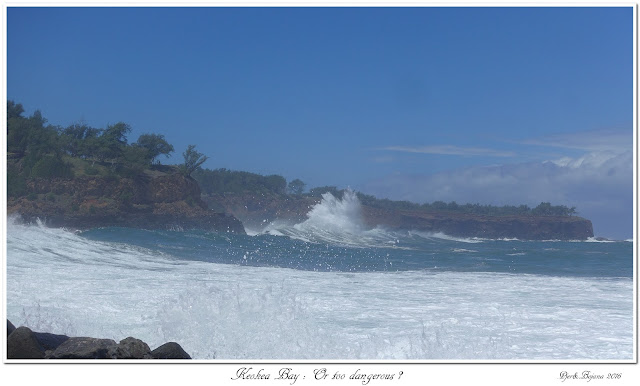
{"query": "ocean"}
(326, 288)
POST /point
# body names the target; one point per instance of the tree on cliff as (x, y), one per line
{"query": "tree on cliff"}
(14, 110)
(73, 137)
(30, 139)
(113, 142)
(296, 187)
(546, 209)
(155, 146)
(192, 160)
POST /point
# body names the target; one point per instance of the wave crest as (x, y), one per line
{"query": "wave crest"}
(335, 221)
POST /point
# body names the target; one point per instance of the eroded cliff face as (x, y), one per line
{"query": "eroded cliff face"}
(490, 227)
(255, 211)
(163, 202)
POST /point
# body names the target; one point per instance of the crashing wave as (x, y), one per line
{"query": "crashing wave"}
(335, 221)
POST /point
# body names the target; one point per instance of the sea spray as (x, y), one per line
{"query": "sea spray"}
(337, 221)
(333, 214)
(195, 288)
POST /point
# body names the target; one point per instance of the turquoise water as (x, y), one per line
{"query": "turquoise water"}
(403, 251)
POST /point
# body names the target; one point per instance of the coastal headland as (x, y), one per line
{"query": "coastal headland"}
(257, 210)
(84, 177)
(164, 200)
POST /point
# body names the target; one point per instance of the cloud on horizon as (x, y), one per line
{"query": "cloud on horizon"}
(599, 181)
(615, 140)
(451, 150)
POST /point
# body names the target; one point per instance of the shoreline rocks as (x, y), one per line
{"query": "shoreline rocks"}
(23, 343)
(170, 350)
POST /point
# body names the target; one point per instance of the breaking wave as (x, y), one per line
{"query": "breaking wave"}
(114, 283)
(336, 221)
(340, 222)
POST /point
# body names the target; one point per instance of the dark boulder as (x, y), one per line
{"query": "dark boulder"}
(170, 350)
(22, 344)
(85, 348)
(132, 348)
(10, 327)
(50, 341)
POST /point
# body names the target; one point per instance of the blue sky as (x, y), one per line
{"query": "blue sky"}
(489, 105)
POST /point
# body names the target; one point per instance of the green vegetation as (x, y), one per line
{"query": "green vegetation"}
(544, 209)
(30, 140)
(155, 145)
(296, 187)
(223, 181)
(36, 149)
(319, 191)
(192, 160)
(51, 166)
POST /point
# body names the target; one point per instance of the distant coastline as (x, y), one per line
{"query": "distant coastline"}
(170, 200)
(257, 210)
(83, 177)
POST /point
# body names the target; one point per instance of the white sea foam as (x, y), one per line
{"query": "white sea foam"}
(60, 282)
(340, 222)
(335, 221)
(594, 240)
(442, 236)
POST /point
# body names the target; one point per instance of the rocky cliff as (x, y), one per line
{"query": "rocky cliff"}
(490, 227)
(255, 211)
(152, 202)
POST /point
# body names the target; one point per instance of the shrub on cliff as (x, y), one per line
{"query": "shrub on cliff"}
(223, 181)
(49, 167)
(16, 182)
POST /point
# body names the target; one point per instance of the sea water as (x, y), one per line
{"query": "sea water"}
(326, 288)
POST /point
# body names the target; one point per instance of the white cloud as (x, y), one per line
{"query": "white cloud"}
(597, 178)
(451, 150)
(599, 184)
(612, 140)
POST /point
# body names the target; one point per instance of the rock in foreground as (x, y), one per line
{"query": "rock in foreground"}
(10, 327)
(22, 343)
(132, 348)
(170, 350)
(85, 348)
(50, 341)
